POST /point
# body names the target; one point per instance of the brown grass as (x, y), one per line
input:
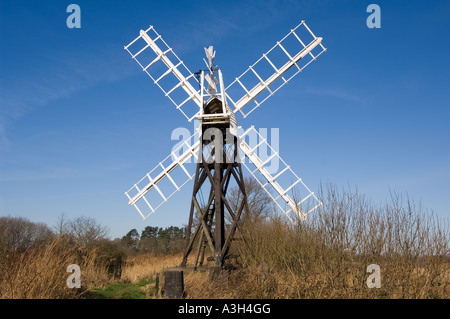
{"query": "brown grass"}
(147, 266)
(41, 272)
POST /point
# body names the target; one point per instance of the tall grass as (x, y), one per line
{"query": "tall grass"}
(147, 266)
(40, 272)
(327, 256)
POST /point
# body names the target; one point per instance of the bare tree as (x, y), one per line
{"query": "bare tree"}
(18, 234)
(84, 230)
(259, 202)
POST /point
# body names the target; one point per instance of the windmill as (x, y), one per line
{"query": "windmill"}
(219, 147)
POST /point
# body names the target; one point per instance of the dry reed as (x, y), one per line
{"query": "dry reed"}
(147, 266)
(41, 272)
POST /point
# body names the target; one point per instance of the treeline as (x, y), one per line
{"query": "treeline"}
(155, 240)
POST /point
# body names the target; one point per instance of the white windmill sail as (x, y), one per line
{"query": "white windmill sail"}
(167, 178)
(167, 71)
(296, 206)
(275, 68)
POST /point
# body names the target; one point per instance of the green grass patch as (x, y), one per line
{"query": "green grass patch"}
(124, 291)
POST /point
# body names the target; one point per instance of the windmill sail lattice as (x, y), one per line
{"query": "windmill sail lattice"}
(148, 195)
(167, 71)
(275, 68)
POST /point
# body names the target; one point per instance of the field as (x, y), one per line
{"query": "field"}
(326, 257)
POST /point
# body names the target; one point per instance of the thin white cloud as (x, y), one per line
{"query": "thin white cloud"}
(335, 92)
(63, 76)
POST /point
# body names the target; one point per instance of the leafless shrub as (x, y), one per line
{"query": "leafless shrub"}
(19, 234)
(85, 231)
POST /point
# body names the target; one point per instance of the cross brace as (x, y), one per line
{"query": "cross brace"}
(210, 231)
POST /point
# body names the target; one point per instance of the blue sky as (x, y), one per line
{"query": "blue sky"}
(80, 122)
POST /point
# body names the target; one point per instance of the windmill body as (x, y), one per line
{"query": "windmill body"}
(219, 148)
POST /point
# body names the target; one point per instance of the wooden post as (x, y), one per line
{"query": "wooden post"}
(219, 231)
(157, 285)
(173, 284)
